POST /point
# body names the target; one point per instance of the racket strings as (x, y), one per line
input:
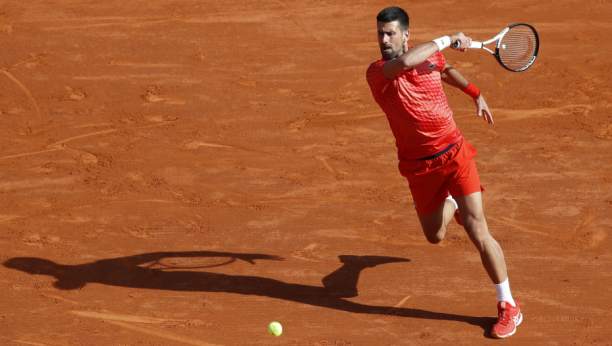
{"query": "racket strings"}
(518, 47)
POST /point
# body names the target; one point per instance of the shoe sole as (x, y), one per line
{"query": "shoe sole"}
(517, 323)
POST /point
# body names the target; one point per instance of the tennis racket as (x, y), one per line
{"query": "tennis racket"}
(516, 47)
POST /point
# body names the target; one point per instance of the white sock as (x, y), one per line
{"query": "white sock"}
(455, 202)
(503, 293)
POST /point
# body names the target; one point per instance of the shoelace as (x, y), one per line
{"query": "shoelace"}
(504, 317)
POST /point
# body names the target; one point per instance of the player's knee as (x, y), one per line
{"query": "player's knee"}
(479, 236)
(434, 237)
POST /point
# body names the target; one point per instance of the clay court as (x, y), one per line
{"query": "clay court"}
(186, 172)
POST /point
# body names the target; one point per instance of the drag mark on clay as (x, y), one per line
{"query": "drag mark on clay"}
(165, 335)
(123, 201)
(327, 118)
(167, 100)
(4, 218)
(323, 158)
(56, 144)
(588, 220)
(513, 223)
(597, 238)
(92, 125)
(59, 298)
(25, 90)
(223, 190)
(155, 201)
(589, 239)
(306, 253)
(580, 321)
(520, 114)
(525, 223)
(398, 305)
(30, 62)
(306, 147)
(30, 343)
(322, 42)
(137, 64)
(164, 123)
(197, 144)
(101, 25)
(348, 117)
(337, 175)
(32, 153)
(154, 95)
(25, 184)
(137, 319)
(366, 116)
(285, 200)
(18, 140)
(580, 237)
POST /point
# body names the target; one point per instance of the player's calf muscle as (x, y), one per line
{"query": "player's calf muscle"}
(435, 237)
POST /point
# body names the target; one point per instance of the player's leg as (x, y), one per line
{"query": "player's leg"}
(434, 225)
(463, 183)
(475, 224)
(492, 256)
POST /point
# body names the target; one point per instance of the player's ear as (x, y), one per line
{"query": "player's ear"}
(406, 35)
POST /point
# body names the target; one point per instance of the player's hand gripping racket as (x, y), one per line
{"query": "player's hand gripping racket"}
(516, 47)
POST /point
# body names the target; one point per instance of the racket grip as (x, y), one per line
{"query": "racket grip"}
(473, 45)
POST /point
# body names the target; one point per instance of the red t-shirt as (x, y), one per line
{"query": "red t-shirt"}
(416, 107)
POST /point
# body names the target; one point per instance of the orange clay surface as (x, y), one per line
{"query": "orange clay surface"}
(186, 172)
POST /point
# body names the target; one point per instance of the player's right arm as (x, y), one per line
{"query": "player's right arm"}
(418, 54)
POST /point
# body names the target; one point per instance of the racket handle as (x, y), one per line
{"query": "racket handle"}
(473, 45)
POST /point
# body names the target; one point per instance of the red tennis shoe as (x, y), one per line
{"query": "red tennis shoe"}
(458, 217)
(509, 318)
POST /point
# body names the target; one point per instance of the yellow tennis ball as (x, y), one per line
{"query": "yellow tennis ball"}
(275, 329)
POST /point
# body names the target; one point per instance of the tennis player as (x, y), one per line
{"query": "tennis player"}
(438, 162)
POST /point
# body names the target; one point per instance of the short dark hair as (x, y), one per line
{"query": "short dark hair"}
(393, 13)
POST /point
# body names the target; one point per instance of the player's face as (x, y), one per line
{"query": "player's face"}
(391, 39)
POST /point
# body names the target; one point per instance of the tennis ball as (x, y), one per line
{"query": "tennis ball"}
(275, 329)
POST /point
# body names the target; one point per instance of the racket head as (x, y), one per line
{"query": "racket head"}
(517, 49)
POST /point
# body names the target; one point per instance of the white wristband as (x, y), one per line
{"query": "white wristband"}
(443, 42)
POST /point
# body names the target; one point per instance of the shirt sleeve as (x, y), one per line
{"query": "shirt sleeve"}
(375, 77)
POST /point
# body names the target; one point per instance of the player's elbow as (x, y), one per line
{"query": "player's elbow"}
(408, 61)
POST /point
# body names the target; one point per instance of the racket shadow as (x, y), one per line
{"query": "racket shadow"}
(130, 271)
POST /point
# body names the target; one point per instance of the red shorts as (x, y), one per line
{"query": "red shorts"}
(431, 180)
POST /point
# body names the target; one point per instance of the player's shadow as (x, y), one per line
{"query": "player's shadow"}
(143, 271)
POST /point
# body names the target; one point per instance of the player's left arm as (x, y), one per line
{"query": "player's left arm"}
(453, 78)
